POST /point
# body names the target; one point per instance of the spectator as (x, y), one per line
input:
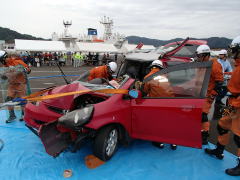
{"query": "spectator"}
(62, 60)
(104, 59)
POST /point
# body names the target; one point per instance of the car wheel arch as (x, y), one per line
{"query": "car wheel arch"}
(106, 142)
(124, 137)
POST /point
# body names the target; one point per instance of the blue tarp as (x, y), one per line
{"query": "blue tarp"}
(24, 158)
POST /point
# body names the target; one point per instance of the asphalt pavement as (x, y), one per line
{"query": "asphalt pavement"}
(47, 76)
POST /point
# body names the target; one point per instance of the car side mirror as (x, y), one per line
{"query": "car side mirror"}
(134, 93)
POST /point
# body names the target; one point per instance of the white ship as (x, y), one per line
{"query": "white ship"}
(109, 43)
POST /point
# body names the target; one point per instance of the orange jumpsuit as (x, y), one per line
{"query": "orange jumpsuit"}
(158, 86)
(15, 62)
(216, 75)
(17, 80)
(99, 72)
(232, 121)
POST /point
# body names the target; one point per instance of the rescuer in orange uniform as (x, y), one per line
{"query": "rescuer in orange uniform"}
(231, 120)
(159, 86)
(105, 71)
(16, 81)
(214, 87)
(227, 71)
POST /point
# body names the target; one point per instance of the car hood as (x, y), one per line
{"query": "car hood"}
(66, 101)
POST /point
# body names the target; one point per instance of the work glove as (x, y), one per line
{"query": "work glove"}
(20, 100)
(28, 71)
(138, 85)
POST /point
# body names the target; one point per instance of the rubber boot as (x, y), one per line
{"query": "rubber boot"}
(173, 146)
(234, 171)
(205, 135)
(218, 152)
(11, 117)
(158, 144)
(21, 119)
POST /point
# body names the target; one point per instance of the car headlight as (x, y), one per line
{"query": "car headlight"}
(75, 119)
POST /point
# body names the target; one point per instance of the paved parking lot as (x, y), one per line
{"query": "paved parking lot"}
(46, 76)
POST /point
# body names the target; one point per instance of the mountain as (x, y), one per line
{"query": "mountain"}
(213, 42)
(9, 35)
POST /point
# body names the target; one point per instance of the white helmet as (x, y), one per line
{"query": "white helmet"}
(3, 56)
(236, 42)
(203, 49)
(235, 45)
(223, 52)
(112, 66)
(157, 63)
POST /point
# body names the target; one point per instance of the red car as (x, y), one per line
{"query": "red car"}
(110, 119)
(187, 52)
(136, 65)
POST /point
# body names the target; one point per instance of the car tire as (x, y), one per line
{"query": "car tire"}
(106, 143)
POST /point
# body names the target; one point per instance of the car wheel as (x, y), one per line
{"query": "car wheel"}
(106, 142)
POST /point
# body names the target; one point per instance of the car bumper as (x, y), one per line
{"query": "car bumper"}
(56, 141)
(35, 116)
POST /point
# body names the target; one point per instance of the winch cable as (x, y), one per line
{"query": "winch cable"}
(38, 93)
(64, 76)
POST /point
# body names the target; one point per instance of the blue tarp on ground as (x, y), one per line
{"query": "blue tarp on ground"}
(24, 158)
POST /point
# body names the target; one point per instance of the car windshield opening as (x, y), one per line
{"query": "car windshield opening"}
(187, 51)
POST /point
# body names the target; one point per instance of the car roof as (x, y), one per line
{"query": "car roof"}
(151, 56)
(192, 42)
(154, 55)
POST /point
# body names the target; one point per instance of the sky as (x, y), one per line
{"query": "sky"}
(158, 19)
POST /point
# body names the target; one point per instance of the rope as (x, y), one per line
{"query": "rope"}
(37, 96)
(22, 101)
(52, 96)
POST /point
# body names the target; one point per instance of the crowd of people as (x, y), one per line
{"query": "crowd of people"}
(219, 86)
(76, 59)
(38, 59)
